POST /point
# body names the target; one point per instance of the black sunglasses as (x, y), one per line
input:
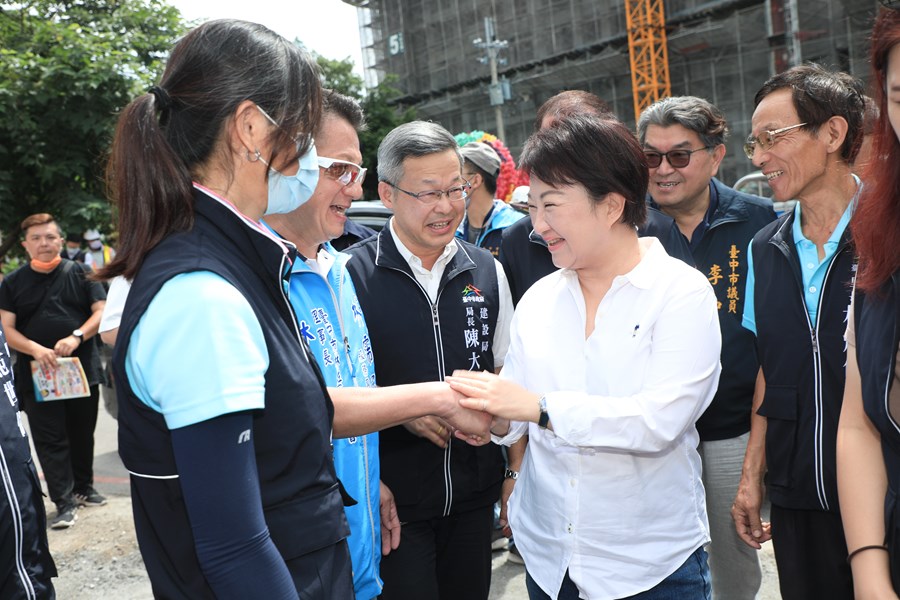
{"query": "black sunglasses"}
(677, 158)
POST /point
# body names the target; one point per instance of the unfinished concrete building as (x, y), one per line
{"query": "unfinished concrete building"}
(722, 50)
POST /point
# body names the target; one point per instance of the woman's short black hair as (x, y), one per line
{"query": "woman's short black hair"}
(598, 153)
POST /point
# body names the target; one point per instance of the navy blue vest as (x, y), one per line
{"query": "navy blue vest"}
(803, 364)
(877, 325)
(413, 342)
(721, 256)
(292, 435)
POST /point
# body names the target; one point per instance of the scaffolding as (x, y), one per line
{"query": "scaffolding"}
(722, 50)
(648, 51)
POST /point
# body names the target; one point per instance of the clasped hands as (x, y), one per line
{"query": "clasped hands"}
(488, 394)
(46, 357)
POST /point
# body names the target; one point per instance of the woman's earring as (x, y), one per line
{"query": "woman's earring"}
(253, 157)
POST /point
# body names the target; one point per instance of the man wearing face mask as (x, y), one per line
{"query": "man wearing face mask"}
(99, 254)
(72, 249)
(49, 310)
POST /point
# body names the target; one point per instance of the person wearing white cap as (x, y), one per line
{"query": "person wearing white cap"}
(486, 217)
(99, 254)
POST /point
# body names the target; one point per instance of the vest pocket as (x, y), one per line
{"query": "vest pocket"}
(779, 406)
(307, 523)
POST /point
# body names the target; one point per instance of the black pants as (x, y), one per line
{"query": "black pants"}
(25, 562)
(63, 434)
(446, 558)
(811, 555)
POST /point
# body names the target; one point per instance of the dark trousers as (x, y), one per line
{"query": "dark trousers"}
(25, 562)
(63, 434)
(811, 555)
(446, 558)
(325, 573)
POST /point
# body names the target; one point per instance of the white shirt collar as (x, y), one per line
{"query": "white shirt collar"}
(413, 260)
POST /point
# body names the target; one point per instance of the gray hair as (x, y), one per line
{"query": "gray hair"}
(412, 140)
(693, 113)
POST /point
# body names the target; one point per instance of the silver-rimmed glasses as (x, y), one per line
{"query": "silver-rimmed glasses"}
(454, 194)
(766, 139)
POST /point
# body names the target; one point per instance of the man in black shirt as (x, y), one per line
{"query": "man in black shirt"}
(49, 310)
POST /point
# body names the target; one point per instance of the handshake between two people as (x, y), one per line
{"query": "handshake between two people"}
(491, 402)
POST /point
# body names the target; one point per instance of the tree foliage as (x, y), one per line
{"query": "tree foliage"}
(66, 68)
(378, 104)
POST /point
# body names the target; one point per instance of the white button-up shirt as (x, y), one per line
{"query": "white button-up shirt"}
(613, 493)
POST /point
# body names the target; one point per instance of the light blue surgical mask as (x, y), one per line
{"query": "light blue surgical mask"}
(288, 192)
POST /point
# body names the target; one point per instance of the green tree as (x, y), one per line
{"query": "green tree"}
(66, 68)
(379, 105)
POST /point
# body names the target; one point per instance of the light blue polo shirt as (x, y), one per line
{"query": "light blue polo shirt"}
(198, 352)
(812, 270)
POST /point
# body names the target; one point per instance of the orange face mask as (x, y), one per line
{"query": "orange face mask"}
(46, 266)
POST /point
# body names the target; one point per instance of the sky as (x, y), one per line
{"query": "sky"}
(329, 27)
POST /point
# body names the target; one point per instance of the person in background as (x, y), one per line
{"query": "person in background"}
(72, 248)
(26, 566)
(353, 232)
(524, 254)
(806, 131)
(609, 501)
(50, 309)
(486, 216)
(432, 303)
(99, 254)
(868, 443)
(684, 141)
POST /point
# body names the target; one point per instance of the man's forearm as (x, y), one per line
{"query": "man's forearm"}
(17, 341)
(754, 466)
(92, 325)
(358, 411)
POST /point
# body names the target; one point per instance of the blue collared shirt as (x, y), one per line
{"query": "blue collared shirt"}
(812, 270)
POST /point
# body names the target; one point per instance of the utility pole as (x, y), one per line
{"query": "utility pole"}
(792, 16)
(499, 92)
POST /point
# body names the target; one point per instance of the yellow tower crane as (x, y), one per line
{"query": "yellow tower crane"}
(646, 22)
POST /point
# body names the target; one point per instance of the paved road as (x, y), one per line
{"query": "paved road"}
(508, 582)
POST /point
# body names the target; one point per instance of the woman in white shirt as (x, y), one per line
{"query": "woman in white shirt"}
(612, 360)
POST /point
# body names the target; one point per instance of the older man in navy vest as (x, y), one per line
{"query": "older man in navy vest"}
(433, 304)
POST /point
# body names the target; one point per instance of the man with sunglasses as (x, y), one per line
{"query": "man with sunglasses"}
(329, 318)
(433, 304)
(806, 131)
(684, 142)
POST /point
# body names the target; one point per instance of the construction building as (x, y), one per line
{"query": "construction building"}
(722, 50)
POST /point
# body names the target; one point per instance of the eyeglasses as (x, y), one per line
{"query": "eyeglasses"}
(342, 170)
(766, 139)
(454, 194)
(275, 123)
(679, 159)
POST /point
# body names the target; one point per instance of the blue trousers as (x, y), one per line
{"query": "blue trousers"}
(689, 582)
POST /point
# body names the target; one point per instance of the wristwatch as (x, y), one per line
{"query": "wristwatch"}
(510, 474)
(79, 334)
(544, 419)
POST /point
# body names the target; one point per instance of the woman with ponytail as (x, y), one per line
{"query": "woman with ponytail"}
(224, 422)
(868, 445)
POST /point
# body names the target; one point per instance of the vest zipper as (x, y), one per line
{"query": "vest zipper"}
(819, 462)
(438, 344)
(376, 534)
